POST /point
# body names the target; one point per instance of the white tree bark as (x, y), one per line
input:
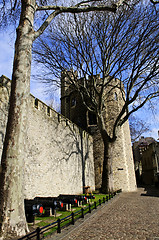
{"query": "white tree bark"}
(13, 220)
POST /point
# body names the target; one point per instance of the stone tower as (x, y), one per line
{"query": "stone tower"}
(120, 150)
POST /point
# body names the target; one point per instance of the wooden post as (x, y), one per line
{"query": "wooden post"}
(82, 211)
(89, 208)
(73, 219)
(58, 225)
(38, 233)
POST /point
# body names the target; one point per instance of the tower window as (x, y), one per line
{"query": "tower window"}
(73, 102)
(36, 103)
(48, 111)
(92, 119)
(115, 96)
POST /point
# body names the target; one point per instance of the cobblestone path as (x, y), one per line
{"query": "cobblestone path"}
(130, 216)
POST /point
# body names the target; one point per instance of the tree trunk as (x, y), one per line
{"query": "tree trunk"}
(107, 181)
(12, 215)
(107, 174)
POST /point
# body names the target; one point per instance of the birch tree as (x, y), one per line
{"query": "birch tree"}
(28, 14)
(124, 46)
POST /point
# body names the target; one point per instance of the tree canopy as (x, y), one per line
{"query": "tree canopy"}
(122, 46)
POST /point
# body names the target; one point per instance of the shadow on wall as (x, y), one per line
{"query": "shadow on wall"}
(80, 146)
(51, 141)
(59, 153)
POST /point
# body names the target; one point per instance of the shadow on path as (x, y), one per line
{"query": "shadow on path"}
(151, 191)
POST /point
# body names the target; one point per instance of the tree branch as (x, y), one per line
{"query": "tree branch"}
(154, 2)
(75, 9)
(46, 23)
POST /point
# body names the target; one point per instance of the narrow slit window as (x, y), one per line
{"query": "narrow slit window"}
(48, 111)
(73, 102)
(115, 96)
(36, 103)
(58, 117)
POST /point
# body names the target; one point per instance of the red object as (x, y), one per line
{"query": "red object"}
(62, 205)
(75, 200)
(41, 209)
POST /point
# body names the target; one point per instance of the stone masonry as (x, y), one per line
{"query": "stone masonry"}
(121, 150)
(63, 158)
(59, 153)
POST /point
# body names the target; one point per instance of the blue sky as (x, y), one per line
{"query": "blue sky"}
(7, 40)
(37, 89)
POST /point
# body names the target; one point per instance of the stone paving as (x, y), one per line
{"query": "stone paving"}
(132, 215)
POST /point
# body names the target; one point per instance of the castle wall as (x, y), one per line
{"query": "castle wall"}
(122, 161)
(129, 158)
(59, 154)
(4, 104)
(120, 152)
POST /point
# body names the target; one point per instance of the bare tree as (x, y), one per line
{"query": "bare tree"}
(121, 46)
(137, 127)
(26, 13)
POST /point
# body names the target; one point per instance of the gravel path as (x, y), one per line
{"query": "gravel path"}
(132, 215)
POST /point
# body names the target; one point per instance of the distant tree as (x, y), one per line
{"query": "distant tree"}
(124, 46)
(32, 17)
(137, 127)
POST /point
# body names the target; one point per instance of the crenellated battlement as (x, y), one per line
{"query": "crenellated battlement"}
(50, 113)
(59, 154)
(5, 85)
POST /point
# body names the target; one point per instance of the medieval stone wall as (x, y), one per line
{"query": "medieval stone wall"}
(120, 152)
(122, 160)
(59, 154)
(5, 85)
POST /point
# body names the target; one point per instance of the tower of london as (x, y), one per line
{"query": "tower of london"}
(120, 151)
(64, 151)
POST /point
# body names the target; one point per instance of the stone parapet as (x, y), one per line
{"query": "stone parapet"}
(59, 153)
